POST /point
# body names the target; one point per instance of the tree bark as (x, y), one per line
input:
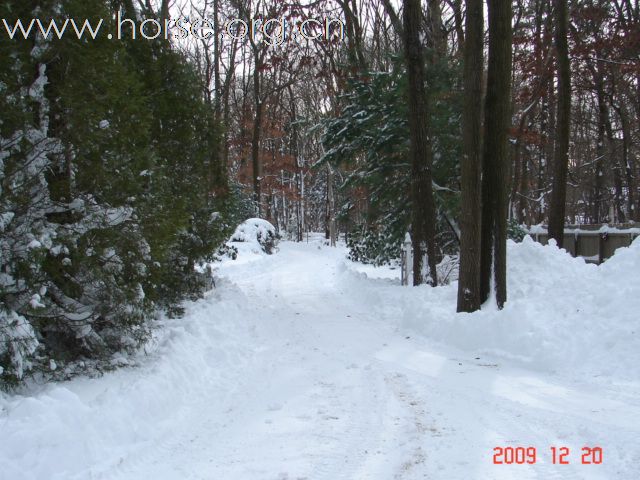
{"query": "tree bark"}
(331, 209)
(353, 33)
(557, 208)
(255, 138)
(628, 166)
(471, 166)
(456, 6)
(393, 16)
(495, 169)
(423, 214)
(598, 211)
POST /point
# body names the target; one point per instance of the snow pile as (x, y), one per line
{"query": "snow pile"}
(86, 427)
(259, 234)
(562, 315)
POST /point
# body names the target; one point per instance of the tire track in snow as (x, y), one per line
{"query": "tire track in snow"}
(358, 436)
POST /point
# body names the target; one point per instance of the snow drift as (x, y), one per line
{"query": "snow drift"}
(562, 315)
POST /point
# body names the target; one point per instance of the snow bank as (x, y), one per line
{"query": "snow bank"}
(87, 426)
(563, 315)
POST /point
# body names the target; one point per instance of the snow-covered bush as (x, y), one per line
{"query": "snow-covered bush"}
(448, 269)
(17, 344)
(258, 231)
(377, 247)
(515, 231)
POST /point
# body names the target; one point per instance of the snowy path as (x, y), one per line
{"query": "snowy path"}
(299, 374)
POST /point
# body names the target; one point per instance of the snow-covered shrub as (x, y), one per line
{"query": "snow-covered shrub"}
(448, 269)
(17, 344)
(377, 247)
(258, 231)
(227, 250)
(515, 231)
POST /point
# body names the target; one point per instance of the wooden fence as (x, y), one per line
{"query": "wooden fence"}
(594, 243)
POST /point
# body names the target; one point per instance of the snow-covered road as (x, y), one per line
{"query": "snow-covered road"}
(297, 368)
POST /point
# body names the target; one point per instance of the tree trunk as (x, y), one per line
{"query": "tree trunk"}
(457, 16)
(598, 210)
(519, 166)
(423, 214)
(255, 140)
(436, 36)
(561, 153)
(217, 61)
(331, 220)
(353, 33)
(471, 167)
(495, 168)
(299, 177)
(632, 214)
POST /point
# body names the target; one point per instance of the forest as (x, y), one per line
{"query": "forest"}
(127, 162)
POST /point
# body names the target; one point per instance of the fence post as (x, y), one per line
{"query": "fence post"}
(601, 239)
(407, 260)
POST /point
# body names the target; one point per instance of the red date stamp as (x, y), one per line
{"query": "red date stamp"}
(559, 455)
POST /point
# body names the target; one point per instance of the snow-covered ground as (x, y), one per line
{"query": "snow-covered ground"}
(300, 366)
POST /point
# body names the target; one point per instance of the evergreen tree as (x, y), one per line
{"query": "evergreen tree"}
(105, 205)
(369, 140)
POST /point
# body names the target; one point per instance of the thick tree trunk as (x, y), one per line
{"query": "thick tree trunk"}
(495, 169)
(423, 214)
(471, 167)
(561, 153)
